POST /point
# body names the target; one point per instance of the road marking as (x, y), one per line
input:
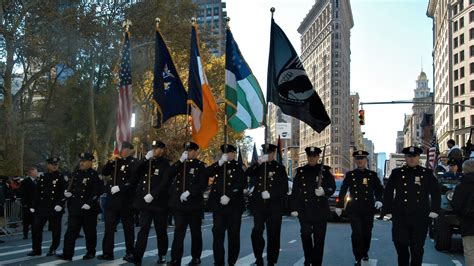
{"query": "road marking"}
(375, 239)
(299, 262)
(27, 258)
(248, 260)
(186, 260)
(428, 264)
(292, 241)
(370, 262)
(457, 263)
(20, 251)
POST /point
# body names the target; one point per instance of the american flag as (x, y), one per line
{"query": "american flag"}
(124, 111)
(433, 152)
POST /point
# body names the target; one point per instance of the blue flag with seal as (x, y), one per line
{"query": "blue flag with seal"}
(169, 94)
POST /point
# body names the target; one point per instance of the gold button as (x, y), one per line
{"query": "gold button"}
(306, 200)
(405, 184)
(406, 192)
(403, 176)
(355, 198)
(304, 192)
(418, 192)
(405, 200)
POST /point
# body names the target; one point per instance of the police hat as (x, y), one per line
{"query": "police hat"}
(312, 151)
(412, 151)
(53, 160)
(85, 156)
(191, 146)
(157, 144)
(360, 153)
(452, 162)
(127, 145)
(269, 148)
(229, 148)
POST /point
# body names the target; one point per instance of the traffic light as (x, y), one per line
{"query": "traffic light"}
(362, 117)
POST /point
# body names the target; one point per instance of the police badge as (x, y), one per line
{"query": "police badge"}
(191, 171)
(417, 180)
(84, 181)
(365, 181)
(122, 168)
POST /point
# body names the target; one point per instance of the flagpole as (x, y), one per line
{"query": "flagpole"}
(227, 19)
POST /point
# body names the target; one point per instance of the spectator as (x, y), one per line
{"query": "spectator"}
(455, 153)
(28, 186)
(463, 204)
(453, 171)
(442, 166)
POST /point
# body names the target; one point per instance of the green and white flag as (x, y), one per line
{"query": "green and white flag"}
(246, 106)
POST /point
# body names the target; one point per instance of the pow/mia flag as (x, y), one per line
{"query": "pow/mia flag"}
(288, 85)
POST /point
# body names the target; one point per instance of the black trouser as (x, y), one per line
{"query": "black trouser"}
(409, 236)
(159, 219)
(37, 231)
(28, 218)
(272, 221)
(75, 222)
(181, 221)
(313, 235)
(111, 217)
(361, 224)
(230, 222)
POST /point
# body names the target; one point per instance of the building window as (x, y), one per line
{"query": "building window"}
(461, 72)
(455, 26)
(472, 116)
(462, 107)
(456, 74)
(456, 59)
(472, 85)
(471, 68)
(337, 3)
(471, 50)
(456, 91)
(337, 14)
(463, 122)
(456, 123)
(455, 9)
(472, 103)
(456, 42)
(461, 22)
(461, 39)
(456, 109)
(461, 89)
(471, 33)
(471, 14)
(461, 56)
(461, 5)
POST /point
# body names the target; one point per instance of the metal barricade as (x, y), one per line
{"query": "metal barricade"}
(12, 212)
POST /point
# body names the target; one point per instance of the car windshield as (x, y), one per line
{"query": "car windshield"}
(338, 184)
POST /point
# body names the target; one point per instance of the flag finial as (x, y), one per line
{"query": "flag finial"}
(272, 10)
(227, 20)
(126, 24)
(193, 20)
(157, 21)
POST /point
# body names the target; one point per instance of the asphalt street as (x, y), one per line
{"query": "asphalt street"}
(338, 250)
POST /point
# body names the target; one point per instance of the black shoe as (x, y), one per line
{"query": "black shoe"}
(365, 258)
(51, 253)
(161, 260)
(32, 253)
(195, 261)
(174, 262)
(63, 257)
(88, 256)
(271, 264)
(105, 257)
(130, 258)
(357, 263)
(259, 262)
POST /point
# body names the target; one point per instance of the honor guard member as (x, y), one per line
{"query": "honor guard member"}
(266, 203)
(82, 196)
(152, 201)
(226, 201)
(407, 197)
(27, 191)
(309, 202)
(366, 190)
(186, 202)
(47, 205)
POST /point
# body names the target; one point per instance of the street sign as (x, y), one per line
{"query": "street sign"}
(283, 130)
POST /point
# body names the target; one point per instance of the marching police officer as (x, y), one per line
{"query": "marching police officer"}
(227, 204)
(366, 191)
(152, 201)
(266, 203)
(186, 202)
(82, 195)
(120, 193)
(410, 206)
(309, 202)
(47, 205)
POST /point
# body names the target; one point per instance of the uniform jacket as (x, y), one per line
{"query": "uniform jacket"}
(27, 193)
(462, 192)
(276, 183)
(86, 188)
(122, 173)
(157, 184)
(194, 180)
(303, 197)
(365, 188)
(235, 183)
(408, 192)
(49, 192)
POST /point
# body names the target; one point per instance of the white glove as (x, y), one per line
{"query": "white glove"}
(184, 196)
(319, 191)
(148, 198)
(433, 215)
(114, 189)
(224, 158)
(338, 211)
(85, 207)
(58, 208)
(67, 194)
(225, 200)
(184, 156)
(149, 155)
(263, 159)
(294, 214)
(378, 205)
(265, 195)
(32, 210)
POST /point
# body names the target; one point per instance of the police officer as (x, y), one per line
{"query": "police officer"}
(152, 201)
(186, 202)
(266, 203)
(410, 206)
(119, 202)
(47, 205)
(227, 204)
(27, 189)
(309, 202)
(82, 195)
(366, 191)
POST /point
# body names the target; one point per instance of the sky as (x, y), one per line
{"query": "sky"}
(391, 42)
